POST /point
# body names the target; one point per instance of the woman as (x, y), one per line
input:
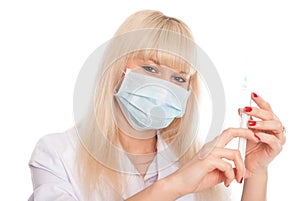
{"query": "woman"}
(138, 142)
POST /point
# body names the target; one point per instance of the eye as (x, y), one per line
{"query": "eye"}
(150, 69)
(179, 79)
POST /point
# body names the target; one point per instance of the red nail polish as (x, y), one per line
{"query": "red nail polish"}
(257, 137)
(251, 123)
(254, 95)
(241, 180)
(247, 109)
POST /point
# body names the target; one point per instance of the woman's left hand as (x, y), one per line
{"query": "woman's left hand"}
(269, 130)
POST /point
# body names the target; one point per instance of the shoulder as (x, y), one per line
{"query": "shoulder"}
(53, 148)
(53, 167)
(58, 141)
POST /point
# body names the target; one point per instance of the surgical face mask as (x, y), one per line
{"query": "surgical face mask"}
(150, 103)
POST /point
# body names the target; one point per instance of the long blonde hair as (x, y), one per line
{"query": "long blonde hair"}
(99, 158)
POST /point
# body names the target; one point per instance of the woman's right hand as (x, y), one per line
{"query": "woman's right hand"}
(208, 168)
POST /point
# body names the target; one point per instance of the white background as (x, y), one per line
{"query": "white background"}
(43, 45)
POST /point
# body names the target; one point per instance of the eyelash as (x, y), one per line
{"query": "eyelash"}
(154, 70)
(150, 69)
(179, 79)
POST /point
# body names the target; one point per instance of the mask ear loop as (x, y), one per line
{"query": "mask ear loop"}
(191, 75)
(118, 85)
(116, 90)
(189, 80)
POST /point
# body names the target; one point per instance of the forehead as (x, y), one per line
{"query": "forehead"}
(164, 59)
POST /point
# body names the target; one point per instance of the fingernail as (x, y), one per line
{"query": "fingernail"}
(254, 95)
(241, 180)
(247, 109)
(251, 123)
(257, 137)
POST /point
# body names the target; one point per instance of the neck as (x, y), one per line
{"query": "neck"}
(134, 141)
(141, 152)
(138, 146)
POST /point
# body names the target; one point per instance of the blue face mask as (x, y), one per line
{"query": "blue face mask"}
(150, 103)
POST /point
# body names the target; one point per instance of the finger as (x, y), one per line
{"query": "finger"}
(271, 140)
(280, 137)
(259, 113)
(274, 126)
(224, 167)
(235, 156)
(230, 133)
(261, 102)
(247, 173)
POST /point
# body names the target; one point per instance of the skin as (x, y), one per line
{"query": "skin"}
(264, 142)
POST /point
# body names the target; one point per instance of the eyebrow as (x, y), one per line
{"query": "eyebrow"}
(183, 72)
(157, 63)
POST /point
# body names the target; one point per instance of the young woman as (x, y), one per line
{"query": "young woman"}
(138, 142)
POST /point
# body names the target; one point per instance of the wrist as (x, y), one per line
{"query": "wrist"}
(262, 171)
(255, 187)
(167, 186)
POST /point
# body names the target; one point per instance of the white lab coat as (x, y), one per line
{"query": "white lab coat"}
(54, 176)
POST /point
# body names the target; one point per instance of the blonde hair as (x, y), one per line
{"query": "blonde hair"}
(165, 35)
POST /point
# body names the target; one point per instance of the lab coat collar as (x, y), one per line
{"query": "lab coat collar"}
(167, 161)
